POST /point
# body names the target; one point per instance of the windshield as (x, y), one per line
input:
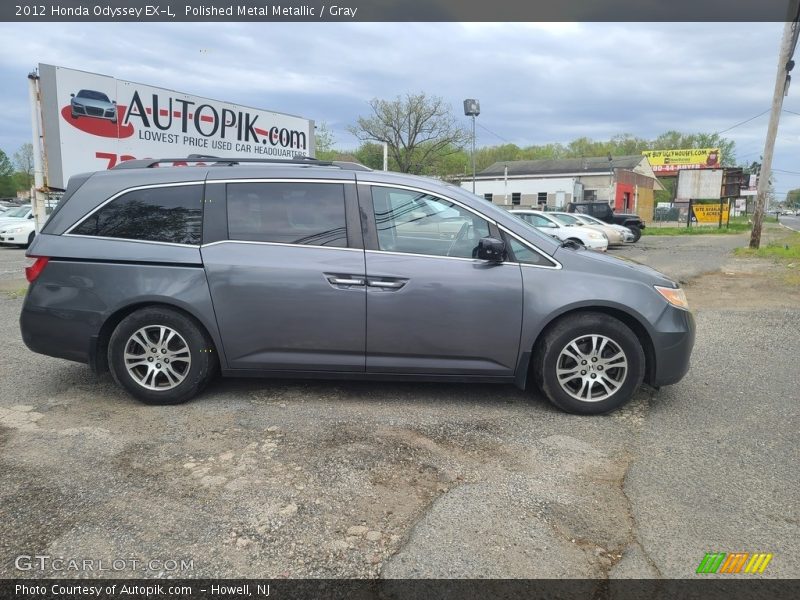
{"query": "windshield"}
(22, 211)
(520, 218)
(592, 220)
(568, 219)
(92, 95)
(562, 219)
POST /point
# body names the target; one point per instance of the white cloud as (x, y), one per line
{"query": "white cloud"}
(537, 82)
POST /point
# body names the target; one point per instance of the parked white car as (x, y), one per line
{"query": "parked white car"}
(615, 237)
(18, 234)
(628, 236)
(551, 225)
(16, 215)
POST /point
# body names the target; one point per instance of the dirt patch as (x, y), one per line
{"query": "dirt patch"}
(747, 283)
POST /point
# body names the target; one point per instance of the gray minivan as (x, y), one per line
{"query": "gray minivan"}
(303, 268)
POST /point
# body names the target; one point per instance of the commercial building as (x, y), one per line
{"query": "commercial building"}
(625, 182)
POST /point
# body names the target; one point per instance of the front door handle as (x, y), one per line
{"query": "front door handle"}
(345, 281)
(391, 285)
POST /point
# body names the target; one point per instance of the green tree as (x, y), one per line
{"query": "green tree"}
(23, 161)
(418, 129)
(793, 199)
(8, 187)
(323, 142)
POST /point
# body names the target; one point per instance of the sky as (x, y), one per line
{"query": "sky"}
(537, 82)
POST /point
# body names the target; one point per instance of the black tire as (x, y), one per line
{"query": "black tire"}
(637, 232)
(577, 241)
(201, 370)
(549, 350)
(30, 239)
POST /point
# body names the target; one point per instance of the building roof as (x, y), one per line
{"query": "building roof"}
(594, 164)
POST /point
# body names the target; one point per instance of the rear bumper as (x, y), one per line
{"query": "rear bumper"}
(673, 343)
(14, 239)
(48, 333)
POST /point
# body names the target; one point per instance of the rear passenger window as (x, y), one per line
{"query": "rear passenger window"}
(311, 214)
(161, 214)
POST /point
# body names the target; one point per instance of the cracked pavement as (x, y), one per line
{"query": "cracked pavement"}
(281, 478)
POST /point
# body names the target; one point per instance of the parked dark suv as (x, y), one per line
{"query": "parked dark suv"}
(166, 276)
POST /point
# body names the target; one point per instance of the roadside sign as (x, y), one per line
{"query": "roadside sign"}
(92, 122)
(709, 213)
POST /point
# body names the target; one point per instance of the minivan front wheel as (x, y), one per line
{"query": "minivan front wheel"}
(590, 363)
(161, 356)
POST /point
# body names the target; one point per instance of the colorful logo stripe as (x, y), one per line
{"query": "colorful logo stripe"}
(734, 562)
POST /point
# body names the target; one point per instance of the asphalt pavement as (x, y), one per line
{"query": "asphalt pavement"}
(266, 478)
(792, 223)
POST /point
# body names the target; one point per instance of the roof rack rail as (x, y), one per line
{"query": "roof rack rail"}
(306, 161)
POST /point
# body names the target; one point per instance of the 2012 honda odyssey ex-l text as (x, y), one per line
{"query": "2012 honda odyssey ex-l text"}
(168, 276)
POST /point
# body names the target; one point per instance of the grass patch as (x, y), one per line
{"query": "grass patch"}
(17, 293)
(702, 230)
(786, 248)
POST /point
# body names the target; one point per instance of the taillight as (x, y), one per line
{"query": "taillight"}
(34, 270)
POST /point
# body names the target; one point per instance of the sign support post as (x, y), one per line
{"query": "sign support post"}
(37, 193)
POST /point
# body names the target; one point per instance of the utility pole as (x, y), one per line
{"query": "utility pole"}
(785, 64)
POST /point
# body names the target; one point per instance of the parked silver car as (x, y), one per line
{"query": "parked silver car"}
(91, 103)
(167, 276)
(615, 236)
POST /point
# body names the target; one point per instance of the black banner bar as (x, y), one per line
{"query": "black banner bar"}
(398, 10)
(744, 587)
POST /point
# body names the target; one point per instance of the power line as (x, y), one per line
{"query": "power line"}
(745, 121)
(493, 133)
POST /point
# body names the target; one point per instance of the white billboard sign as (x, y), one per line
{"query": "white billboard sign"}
(92, 122)
(701, 184)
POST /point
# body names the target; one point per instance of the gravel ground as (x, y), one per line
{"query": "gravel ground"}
(12, 265)
(267, 478)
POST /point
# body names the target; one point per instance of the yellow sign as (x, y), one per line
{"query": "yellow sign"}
(709, 213)
(664, 161)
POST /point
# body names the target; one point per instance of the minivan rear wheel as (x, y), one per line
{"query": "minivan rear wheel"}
(590, 363)
(161, 356)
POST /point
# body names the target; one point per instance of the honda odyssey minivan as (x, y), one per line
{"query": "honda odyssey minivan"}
(303, 268)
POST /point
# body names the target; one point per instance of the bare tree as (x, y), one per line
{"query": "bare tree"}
(23, 161)
(418, 129)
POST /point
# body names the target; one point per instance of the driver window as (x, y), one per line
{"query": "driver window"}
(418, 223)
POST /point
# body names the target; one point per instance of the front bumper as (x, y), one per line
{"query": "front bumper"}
(673, 341)
(79, 110)
(598, 245)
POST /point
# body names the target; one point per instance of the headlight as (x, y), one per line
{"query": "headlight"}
(674, 296)
(15, 230)
(595, 235)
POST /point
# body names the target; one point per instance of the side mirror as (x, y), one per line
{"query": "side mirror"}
(491, 249)
(72, 95)
(113, 102)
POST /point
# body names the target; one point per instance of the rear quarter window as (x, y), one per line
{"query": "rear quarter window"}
(161, 214)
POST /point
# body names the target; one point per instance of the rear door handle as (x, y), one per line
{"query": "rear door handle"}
(392, 285)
